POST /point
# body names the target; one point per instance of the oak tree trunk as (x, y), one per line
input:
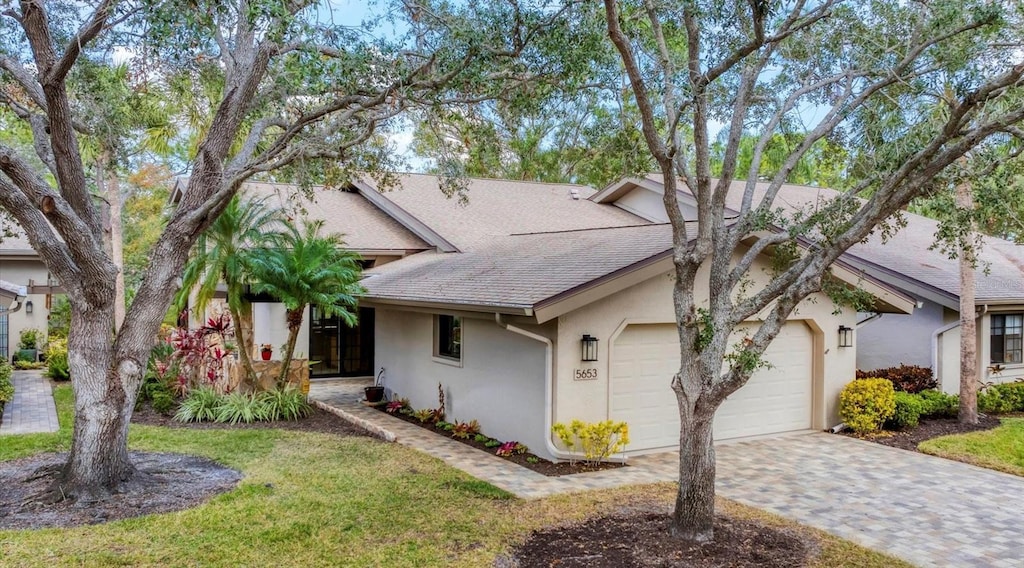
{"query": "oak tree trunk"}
(968, 330)
(105, 396)
(694, 516)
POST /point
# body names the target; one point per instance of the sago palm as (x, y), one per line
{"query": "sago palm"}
(246, 226)
(308, 269)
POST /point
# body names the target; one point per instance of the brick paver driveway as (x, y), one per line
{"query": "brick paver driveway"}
(927, 510)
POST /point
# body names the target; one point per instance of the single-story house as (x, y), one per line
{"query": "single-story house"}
(26, 292)
(497, 298)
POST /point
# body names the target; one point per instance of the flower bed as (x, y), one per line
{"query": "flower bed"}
(519, 455)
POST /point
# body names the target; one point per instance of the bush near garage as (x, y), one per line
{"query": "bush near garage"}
(908, 411)
(1005, 397)
(905, 378)
(865, 404)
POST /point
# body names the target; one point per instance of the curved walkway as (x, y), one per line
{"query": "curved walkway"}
(32, 411)
(927, 510)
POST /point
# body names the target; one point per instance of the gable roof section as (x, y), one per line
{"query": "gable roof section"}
(496, 208)
(518, 273)
(364, 226)
(907, 260)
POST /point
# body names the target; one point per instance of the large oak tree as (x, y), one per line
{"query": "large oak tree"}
(271, 85)
(867, 75)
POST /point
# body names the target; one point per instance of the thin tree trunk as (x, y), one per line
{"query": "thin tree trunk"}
(243, 347)
(294, 318)
(694, 517)
(968, 331)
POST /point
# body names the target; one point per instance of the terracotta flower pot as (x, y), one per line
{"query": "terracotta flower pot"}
(266, 354)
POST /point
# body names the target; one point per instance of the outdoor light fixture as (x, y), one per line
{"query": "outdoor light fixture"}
(589, 347)
(845, 336)
(28, 307)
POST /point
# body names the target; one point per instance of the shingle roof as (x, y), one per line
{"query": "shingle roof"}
(364, 226)
(497, 208)
(16, 244)
(999, 278)
(518, 271)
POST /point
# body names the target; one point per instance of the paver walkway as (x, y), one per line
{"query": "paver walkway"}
(927, 510)
(32, 410)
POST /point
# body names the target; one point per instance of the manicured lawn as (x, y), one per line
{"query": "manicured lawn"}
(1001, 448)
(315, 500)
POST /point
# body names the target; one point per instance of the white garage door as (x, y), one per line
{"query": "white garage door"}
(774, 400)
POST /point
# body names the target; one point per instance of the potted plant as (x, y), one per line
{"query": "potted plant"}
(266, 350)
(28, 346)
(375, 393)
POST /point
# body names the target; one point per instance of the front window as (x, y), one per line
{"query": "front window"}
(1007, 330)
(448, 334)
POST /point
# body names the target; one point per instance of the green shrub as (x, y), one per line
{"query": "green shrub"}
(240, 407)
(865, 404)
(163, 402)
(6, 386)
(22, 364)
(285, 404)
(29, 338)
(57, 366)
(908, 411)
(201, 405)
(1006, 397)
(938, 404)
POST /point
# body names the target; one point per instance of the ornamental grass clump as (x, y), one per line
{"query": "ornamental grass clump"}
(865, 404)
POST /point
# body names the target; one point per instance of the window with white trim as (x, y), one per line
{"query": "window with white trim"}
(448, 337)
(1005, 338)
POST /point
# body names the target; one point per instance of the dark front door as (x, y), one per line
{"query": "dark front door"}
(342, 351)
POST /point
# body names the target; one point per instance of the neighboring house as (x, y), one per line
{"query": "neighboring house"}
(930, 337)
(499, 299)
(25, 292)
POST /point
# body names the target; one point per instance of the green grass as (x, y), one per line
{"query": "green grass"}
(1001, 448)
(318, 500)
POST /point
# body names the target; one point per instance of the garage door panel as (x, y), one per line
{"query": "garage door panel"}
(776, 399)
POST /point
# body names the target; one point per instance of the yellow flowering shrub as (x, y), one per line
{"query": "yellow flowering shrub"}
(865, 404)
(597, 440)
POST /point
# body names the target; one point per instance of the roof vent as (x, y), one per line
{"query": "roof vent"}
(574, 193)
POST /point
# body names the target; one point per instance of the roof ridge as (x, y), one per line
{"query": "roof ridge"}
(587, 229)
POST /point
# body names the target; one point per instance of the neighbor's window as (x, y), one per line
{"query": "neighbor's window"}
(448, 336)
(1007, 330)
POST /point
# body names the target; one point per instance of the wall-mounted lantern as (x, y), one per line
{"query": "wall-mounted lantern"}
(845, 336)
(589, 347)
(28, 307)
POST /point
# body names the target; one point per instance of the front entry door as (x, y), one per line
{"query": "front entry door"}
(342, 351)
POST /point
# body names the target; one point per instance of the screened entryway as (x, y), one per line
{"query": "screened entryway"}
(340, 350)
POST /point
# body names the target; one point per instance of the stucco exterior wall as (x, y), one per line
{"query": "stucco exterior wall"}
(269, 326)
(20, 272)
(500, 382)
(651, 302)
(894, 339)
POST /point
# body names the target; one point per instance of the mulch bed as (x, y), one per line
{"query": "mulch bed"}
(527, 460)
(642, 539)
(167, 482)
(928, 428)
(320, 421)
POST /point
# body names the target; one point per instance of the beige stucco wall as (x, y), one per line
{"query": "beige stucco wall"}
(269, 326)
(651, 302)
(20, 272)
(500, 382)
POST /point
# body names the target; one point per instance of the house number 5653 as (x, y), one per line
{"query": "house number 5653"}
(584, 374)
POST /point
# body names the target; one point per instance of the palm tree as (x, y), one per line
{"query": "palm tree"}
(245, 227)
(308, 269)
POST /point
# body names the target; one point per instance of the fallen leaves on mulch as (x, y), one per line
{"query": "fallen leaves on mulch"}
(167, 482)
(642, 539)
(929, 428)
